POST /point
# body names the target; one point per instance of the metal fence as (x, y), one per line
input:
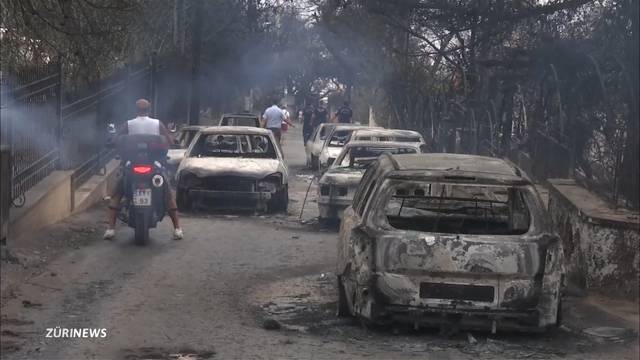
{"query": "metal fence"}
(49, 127)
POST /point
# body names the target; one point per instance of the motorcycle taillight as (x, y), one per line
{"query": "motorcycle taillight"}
(142, 169)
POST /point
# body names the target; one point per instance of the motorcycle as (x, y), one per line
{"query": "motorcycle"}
(143, 203)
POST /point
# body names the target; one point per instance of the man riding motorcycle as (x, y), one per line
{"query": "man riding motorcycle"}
(142, 125)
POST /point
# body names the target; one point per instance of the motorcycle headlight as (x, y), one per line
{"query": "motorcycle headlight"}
(270, 183)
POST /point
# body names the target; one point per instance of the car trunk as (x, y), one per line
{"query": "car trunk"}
(458, 271)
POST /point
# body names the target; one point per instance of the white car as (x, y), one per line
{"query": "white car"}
(314, 145)
(184, 137)
(235, 167)
(393, 135)
(333, 144)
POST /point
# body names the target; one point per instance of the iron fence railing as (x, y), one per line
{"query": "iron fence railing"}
(48, 127)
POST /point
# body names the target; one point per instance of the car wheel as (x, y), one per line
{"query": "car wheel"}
(280, 202)
(342, 309)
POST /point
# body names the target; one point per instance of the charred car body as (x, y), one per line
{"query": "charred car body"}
(337, 138)
(233, 167)
(393, 135)
(314, 145)
(338, 184)
(442, 239)
(183, 139)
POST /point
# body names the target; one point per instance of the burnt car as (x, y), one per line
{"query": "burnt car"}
(183, 139)
(314, 145)
(338, 184)
(240, 119)
(449, 239)
(337, 138)
(394, 135)
(233, 167)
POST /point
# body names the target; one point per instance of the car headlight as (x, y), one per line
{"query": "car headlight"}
(270, 183)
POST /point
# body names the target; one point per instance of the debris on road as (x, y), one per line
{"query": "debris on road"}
(472, 340)
(607, 332)
(29, 304)
(271, 324)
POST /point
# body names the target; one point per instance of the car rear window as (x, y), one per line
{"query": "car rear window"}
(458, 208)
(234, 145)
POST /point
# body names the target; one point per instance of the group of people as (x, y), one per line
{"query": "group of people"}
(277, 119)
(314, 115)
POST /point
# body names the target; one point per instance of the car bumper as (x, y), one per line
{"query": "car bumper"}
(232, 199)
(332, 209)
(399, 298)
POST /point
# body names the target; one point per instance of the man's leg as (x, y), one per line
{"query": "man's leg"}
(172, 209)
(112, 214)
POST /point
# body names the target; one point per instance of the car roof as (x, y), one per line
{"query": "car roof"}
(235, 130)
(349, 127)
(381, 131)
(379, 144)
(490, 167)
(193, 127)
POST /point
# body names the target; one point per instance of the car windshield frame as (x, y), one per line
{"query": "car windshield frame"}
(386, 149)
(247, 145)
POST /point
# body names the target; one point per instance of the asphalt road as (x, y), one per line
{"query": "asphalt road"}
(215, 293)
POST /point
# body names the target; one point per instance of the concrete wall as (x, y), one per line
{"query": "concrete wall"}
(601, 245)
(50, 200)
(47, 202)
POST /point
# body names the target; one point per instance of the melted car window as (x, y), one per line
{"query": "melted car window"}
(362, 157)
(234, 145)
(339, 138)
(458, 209)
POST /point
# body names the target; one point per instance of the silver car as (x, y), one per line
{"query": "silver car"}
(234, 167)
(442, 239)
(338, 184)
(393, 135)
(314, 145)
(337, 138)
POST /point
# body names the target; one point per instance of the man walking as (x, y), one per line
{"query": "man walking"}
(344, 114)
(272, 119)
(307, 121)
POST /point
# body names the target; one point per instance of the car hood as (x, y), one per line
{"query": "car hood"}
(174, 156)
(342, 176)
(256, 168)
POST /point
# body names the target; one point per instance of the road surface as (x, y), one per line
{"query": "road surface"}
(239, 286)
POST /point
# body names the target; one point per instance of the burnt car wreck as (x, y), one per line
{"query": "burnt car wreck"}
(233, 167)
(340, 182)
(445, 239)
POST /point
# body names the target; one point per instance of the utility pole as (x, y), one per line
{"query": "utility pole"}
(196, 46)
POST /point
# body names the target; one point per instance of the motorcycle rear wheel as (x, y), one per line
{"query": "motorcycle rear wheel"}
(142, 230)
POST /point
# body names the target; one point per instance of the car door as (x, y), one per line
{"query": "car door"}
(309, 145)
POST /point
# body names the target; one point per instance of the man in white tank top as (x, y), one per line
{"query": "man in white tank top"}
(142, 125)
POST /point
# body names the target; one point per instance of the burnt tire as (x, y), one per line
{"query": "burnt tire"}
(141, 231)
(342, 307)
(280, 202)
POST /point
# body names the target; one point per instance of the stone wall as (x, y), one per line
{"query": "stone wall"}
(601, 244)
